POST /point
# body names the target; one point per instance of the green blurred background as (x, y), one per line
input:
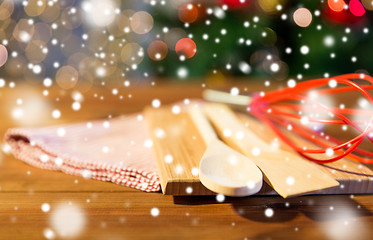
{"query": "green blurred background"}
(102, 41)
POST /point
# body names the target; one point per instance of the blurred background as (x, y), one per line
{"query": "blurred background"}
(75, 43)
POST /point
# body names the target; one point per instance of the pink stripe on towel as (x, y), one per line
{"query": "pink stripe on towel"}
(116, 150)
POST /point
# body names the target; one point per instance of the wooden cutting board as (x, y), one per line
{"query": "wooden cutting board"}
(179, 148)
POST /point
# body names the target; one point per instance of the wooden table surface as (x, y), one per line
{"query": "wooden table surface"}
(101, 210)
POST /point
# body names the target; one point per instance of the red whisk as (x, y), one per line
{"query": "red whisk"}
(280, 109)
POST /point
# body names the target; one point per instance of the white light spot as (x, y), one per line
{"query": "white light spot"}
(68, 220)
(182, 72)
(220, 198)
(227, 132)
(58, 161)
(240, 135)
(49, 233)
(45, 207)
(159, 133)
(244, 67)
(179, 169)
(156, 103)
(255, 151)
(44, 158)
(105, 149)
(189, 190)
(17, 113)
(329, 41)
(235, 91)
(76, 106)
(148, 143)
(168, 158)
(2, 82)
(291, 83)
(61, 132)
(56, 114)
(106, 124)
(332, 83)
(176, 109)
(195, 171)
(232, 160)
(329, 152)
(47, 82)
(304, 120)
(251, 184)
(275, 67)
(269, 212)
(86, 173)
(154, 212)
(304, 49)
(290, 180)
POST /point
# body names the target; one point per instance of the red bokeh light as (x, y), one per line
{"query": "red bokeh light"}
(186, 47)
(336, 5)
(188, 13)
(235, 4)
(356, 8)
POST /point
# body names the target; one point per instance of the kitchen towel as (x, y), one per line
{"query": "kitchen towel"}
(117, 150)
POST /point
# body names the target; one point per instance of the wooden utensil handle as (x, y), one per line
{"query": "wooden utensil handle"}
(202, 123)
(224, 97)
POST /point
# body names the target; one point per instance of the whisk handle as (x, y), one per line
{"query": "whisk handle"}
(224, 97)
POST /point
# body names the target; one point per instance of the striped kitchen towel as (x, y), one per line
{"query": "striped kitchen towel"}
(116, 150)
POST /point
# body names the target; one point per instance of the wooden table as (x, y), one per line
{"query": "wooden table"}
(110, 211)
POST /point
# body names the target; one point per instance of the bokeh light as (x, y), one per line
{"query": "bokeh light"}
(141, 22)
(188, 13)
(268, 6)
(35, 52)
(67, 77)
(68, 220)
(102, 39)
(24, 30)
(51, 12)
(99, 13)
(356, 8)
(34, 8)
(302, 17)
(43, 32)
(368, 4)
(3, 55)
(71, 17)
(157, 50)
(6, 9)
(186, 47)
(132, 53)
(336, 5)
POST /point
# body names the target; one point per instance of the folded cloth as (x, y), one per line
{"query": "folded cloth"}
(116, 150)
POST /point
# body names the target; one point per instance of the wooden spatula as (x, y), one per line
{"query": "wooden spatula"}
(288, 173)
(222, 169)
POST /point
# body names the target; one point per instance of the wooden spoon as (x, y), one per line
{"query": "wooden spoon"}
(222, 169)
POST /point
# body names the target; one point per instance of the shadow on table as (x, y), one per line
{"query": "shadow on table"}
(317, 208)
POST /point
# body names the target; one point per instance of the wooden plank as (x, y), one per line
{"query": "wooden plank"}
(112, 215)
(178, 152)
